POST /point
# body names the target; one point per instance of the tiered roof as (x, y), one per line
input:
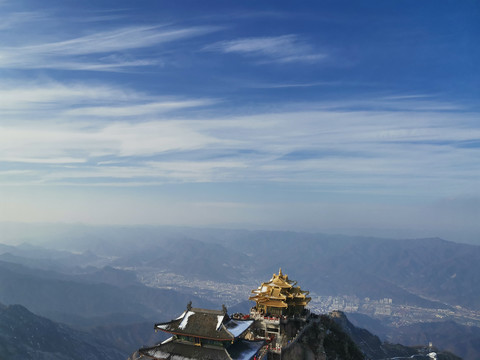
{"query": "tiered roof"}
(280, 292)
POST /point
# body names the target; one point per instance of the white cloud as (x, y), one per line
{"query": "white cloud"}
(53, 144)
(282, 49)
(67, 102)
(127, 38)
(68, 131)
(89, 52)
(137, 110)
(21, 97)
(15, 19)
(154, 137)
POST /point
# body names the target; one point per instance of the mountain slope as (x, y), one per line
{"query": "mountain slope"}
(25, 336)
(459, 339)
(65, 297)
(373, 348)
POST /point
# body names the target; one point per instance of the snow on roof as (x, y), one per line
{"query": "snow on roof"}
(161, 326)
(237, 327)
(185, 320)
(168, 340)
(158, 354)
(181, 316)
(219, 321)
(245, 350)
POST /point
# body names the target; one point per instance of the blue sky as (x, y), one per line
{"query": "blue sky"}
(344, 116)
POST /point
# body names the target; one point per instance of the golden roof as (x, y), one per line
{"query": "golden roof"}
(280, 292)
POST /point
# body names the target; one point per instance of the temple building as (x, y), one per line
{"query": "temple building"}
(204, 334)
(274, 323)
(280, 297)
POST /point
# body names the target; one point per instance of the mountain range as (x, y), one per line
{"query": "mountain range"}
(25, 336)
(91, 276)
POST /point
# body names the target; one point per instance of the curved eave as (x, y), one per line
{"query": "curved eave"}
(281, 284)
(267, 298)
(278, 304)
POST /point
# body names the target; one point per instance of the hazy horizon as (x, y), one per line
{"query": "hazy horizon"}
(40, 233)
(346, 117)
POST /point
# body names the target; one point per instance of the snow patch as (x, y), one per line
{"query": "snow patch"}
(178, 357)
(237, 328)
(159, 354)
(168, 340)
(185, 320)
(181, 316)
(219, 321)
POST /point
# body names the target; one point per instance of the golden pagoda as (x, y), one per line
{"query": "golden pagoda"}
(280, 296)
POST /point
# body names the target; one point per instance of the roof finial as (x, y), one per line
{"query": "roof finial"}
(280, 272)
(224, 309)
(189, 305)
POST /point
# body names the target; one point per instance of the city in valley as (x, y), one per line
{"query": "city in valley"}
(385, 309)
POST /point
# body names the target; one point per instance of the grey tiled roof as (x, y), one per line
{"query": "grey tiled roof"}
(171, 350)
(240, 350)
(210, 324)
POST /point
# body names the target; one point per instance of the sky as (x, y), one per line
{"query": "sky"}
(354, 117)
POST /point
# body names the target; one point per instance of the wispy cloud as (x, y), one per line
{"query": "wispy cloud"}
(298, 85)
(281, 49)
(91, 137)
(13, 20)
(138, 109)
(99, 51)
(70, 101)
(15, 95)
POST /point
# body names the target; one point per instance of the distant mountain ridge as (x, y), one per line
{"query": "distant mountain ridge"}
(67, 297)
(411, 270)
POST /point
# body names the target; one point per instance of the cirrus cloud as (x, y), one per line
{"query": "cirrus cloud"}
(281, 49)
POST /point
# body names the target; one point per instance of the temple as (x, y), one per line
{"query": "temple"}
(273, 324)
(204, 334)
(280, 297)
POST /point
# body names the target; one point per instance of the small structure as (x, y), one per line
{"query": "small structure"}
(204, 334)
(280, 297)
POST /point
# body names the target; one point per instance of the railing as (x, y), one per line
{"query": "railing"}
(263, 353)
(255, 315)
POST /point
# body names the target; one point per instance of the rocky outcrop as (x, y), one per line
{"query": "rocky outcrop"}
(374, 349)
(322, 339)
